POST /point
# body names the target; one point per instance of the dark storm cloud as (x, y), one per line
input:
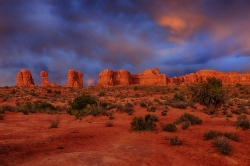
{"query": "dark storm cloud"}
(89, 36)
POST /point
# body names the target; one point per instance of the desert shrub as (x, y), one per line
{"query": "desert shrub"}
(103, 93)
(212, 134)
(185, 125)
(129, 108)
(109, 124)
(169, 127)
(222, 144)
(243, 122)
(138, 124)
(175, 141)
(236, 111)
(4, 108)
(54, 122)
(188, 118)
(136, 88)
(1, 117)
(40, 106)
(80, 102)
(209, 94)
(148, 123)
(179, 96)
(57, 92)
(49, 91)
(142, 104)
(151, 109)
(163, 112)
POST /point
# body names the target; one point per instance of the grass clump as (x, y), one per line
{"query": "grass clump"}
(222, 144)
(175, 141)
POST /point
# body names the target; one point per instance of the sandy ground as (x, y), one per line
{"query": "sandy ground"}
(28, 140)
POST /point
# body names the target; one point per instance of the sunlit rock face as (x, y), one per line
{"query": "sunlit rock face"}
(203, 75)
(123, 77)
(75, 79)
(24, 78)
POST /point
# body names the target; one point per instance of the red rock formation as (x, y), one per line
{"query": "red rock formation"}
(45, 81)
(74, 79)
(109, 77)
(24, 78)
(123, 77)
(149, 77)
(202, 75)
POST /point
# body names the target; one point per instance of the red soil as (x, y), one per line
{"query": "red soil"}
(27, 140)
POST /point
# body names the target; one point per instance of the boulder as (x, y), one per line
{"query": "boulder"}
(24, 78)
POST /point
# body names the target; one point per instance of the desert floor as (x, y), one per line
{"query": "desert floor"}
(29, 140)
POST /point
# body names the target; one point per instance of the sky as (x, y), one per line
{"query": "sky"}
(176, 36)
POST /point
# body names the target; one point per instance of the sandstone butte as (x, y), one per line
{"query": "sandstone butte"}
(153, 77)
(24, 78)
(123, 77)
(75, 79)
(45, 81)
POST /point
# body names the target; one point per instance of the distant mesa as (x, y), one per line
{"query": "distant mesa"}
(153, 77)
(123, 77)
(202, 75)
(45, 81)
(75, 79)
(24, 78)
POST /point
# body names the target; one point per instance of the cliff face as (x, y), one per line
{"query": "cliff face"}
(24, 78)
(123, 77)
(75, 79)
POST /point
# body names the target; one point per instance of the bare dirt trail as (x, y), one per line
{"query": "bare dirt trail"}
(27, 140)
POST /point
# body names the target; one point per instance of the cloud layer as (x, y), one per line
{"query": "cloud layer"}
(178, 37)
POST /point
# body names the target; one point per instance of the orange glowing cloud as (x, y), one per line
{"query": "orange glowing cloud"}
(175, 23)
(90, 81)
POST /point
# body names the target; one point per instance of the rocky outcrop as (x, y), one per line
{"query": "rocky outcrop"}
(149, 77)
(24, 78)
(109, 77)
(45, 81)
(75, 79)
(123, 77)
(202, 75)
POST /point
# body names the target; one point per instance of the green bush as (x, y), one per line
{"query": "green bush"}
(209, 94)
(164, 113)
(4, 108)
(103, 93)
(223, 145)
(129, 108)
(138, 124)
(148, 123)
(175, 141)
(169, 127)
(80, 102)
(188, 118)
